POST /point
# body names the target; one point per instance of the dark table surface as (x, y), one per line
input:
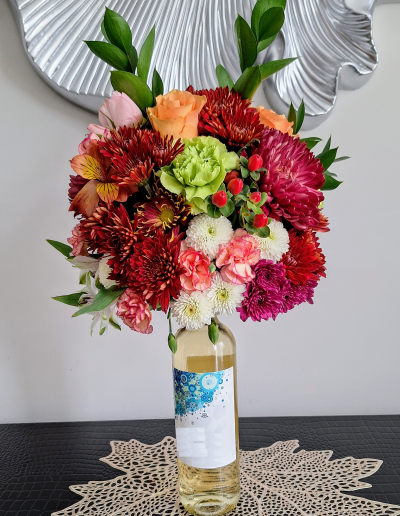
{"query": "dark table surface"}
(38, 462)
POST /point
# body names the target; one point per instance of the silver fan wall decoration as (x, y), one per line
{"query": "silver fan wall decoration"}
(334, 38)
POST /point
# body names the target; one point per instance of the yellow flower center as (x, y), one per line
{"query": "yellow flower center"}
(167, 215)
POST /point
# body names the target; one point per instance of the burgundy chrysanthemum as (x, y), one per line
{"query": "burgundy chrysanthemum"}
(304, 261)
(294, 176)
(110, 231)
(265, 293)
(229, 117)
(155, 270)
(165, 210)
(136, 152)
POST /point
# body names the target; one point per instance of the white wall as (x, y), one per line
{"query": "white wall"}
(340, 356)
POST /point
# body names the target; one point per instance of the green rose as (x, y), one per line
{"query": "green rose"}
(199, 170)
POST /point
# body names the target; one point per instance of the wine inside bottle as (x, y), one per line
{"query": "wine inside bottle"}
(206, 421)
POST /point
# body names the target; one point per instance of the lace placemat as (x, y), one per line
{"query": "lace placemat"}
(275, 481)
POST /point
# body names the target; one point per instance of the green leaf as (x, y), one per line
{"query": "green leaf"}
(250, 228)
(331, 183)
(64, 249)
(224, 79)
(103, 298)
(255, 175)
(342, 158)
(133, 58)
(292, 115)
(172, 343)
(246, 43)
(264, 198)
(157, 85)
(118, 31)
(114, 324)
(265, 43)
(245, 172)
(110, 54)
(263, 232)
(103, 31)
(212, 268)
(271, 23)
(311, 142)
(213, 211)
(213, 332)
(258, 11)
(272, 67)
(145, 54)
(328, 144)
(244, 161)
(254, 208)
(228, 209)
(134, 87)
(300, 117)
(327, 157)
(248, 82)
(71, 299)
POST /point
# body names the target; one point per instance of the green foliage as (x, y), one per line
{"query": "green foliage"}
(157, 85)
(172, 343)
(213, 332)
(272, 67)
(258, 11)
(133, 58)
(271, 23)
(117, 30)
(330, 182)
(64, 249)
(111, 54)
(224, 79)
(246, 43)
(228, 209)
(145, 54)
(134, 87)
(311, 142)
(248, 82)
(71, 299)
(297, 117)
(103, 31)
(103, 298)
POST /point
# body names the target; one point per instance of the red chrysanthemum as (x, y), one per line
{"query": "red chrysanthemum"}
(136, 152)
(229, 117)
(294, 176)
(155, 270)
(304, 261)
(110, 231)
(165, 210)
(323, 224)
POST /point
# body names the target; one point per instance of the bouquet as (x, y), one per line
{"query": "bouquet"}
(195, 203)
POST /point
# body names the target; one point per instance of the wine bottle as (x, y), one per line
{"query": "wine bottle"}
(206, 421)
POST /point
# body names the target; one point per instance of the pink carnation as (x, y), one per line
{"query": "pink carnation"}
(237, 257)
(83, 146)
(197, 275)
(78, 242)
(135, 312)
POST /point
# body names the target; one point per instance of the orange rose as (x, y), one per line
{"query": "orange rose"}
(177, 114)
(270, 119)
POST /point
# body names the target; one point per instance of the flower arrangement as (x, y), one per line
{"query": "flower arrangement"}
(195, 203)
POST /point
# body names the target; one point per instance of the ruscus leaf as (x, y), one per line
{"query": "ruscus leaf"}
(246, 43)
(118, 30)
(64, 249)
(157, 85)
(271, 23)
(311, 142)
(292, 115)
(133, 58)
(258, 11)
(248, 82)
(103, 298)
(134, 87)
(272, 67)
(103, 31)
(224, 79)
(330, 183)
(300, 117)
(71, 299)
(110, 54)
(145, 55)
(327, 157)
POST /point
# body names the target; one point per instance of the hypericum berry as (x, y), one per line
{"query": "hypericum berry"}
(255, 197)
(219, 199)
(233, 174)
(260, 221)
(235, 186)
(255, 162)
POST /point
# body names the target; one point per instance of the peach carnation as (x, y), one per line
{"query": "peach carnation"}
(177, 114)
(135, 312)
(269, 118)
(237, 257)
(197, 275)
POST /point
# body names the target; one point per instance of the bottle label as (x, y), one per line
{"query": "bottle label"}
(205, 418)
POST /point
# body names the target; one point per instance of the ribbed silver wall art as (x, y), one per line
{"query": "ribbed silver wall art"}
(334, 39)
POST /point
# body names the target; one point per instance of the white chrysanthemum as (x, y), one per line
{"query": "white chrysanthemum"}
(225, 297)
(276, 245)
(206, 234)
(103, 272)
(192, 310)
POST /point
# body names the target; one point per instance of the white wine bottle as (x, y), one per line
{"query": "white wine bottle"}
(206, 421)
